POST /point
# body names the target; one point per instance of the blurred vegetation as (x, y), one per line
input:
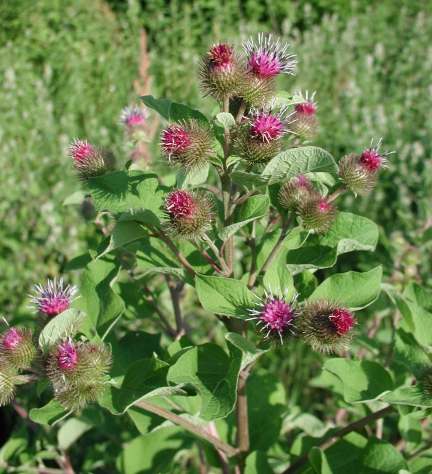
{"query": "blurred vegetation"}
(67, 68)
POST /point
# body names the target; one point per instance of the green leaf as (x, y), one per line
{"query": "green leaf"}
(193, 177)
(295, 161)
(410, 353)
(48, 414)
(362, 381)
(16, 443)
(410, 396)
(225, 296)
(123, 234)
(254, 208)
(63, 325)
(75, 199)
(257, 463)
(381, 457)
(355, 290)
(245, 178)
(418, 309)
(213, 373)
(70, 432)
(133, 191)
(278, 279)
(250, 353)
(319, 461)
(226, 120)
(172, 111)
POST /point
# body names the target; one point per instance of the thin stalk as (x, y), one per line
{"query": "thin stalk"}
(243, 443)
(216, 252)
(188, 426)
(336, 194)
(241, 111)
(164, 320)
(180, 257)
(330, 440)
(175, 291)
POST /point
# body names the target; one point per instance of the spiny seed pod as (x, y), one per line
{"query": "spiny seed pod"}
(317, 213)
(325, 326)
(78, 372)
(189, 214)
(17, 348)
(274, 315)
(220, 72)
(88, 160)
(53, 298)
(295, 191)
(133, 117)
(359, 172)
(8, 376)
(266, 58)
(259, 139)
(188, 144)
(305, 122)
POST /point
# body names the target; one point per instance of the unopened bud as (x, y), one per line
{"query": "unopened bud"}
(88, 160)
(17, 348)
(317, 213)
(295, 191)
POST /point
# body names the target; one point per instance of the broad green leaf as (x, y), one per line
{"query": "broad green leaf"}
(245, 178)
(362, 380)
(16, 443)
(225, 296)
(381, 457)
(128, 191)
(319, 461)
(250, 353)
(410, 353)
(61, 326)
(193, 177)
(75, 199)
(123, 234)
(172, 111)
(213, 373)
(254, 208)
(70, 431)
(355, 290)
(257, 463)
(48, 414)
(226, 120)
(278, 279)
(418, 308)
(295, 161)
(411, 396)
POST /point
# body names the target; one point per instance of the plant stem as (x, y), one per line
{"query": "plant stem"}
(180, 257)
(241, 111)
(242, 418)
(188, 426)
(336, 194)
(175, 290)
(330, 440)
(216, 252)
(275, 250)
(164, 320)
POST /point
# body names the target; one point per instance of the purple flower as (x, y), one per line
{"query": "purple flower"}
(67, 357)
(133, 117)
(12, 338)
(53, 298)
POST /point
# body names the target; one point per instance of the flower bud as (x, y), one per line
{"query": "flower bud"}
(78, 372)
(17, 348)
(259, 139)
(274, 316)
(305, 122)
(295, 191)
(317, 213)
(189, 144)
(325, 326)
(220, 72)
(53, 298)
(189, 214)
(8, 375)
(133, 117)
(359, 172)
(88, 160)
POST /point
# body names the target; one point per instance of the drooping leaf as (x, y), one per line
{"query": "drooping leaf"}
(48, 414)
(250, 353)
(410, 396)
(172, 111)
(71, 431)
(193, 177)
(63, 325)
(417, 311)
(226, 120)
(381, 457)
(123, 234)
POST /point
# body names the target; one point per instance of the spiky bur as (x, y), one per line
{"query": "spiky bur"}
(188, 144)
(325, 326)
(189, 214)
(88, 160)
(220, 72)
(359, 172)
(8, 378)
(53, 298)
(424, 384)
(274, 316)
(78, 372)
(17, 348)
(266, 58)
(317, 213)
(259, 139)
(305, 121)
(133, 117)
(295, 191)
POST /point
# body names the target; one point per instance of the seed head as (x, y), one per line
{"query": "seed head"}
(133, 117)
(325, 326)
(189, 214)
(188, 144)
(53, 298)
(87, 159)
(8, 377)
(317, 213)
(17, 348)
(305, 122)
(295, 191)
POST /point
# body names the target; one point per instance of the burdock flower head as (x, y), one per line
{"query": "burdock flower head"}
(259, 139)
(220, 72)
(274, 316)
(78, 372)
(8, 382)
(325, 326)
(305, 122)
(88, 160)
(266, 58)
(295, 191)
(359, 172)
(53, 298)
(133, 117)
(188, 144)
(317, 213)
(189, 214)
(17, 348)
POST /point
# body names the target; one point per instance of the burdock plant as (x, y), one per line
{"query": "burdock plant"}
(222, 254)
